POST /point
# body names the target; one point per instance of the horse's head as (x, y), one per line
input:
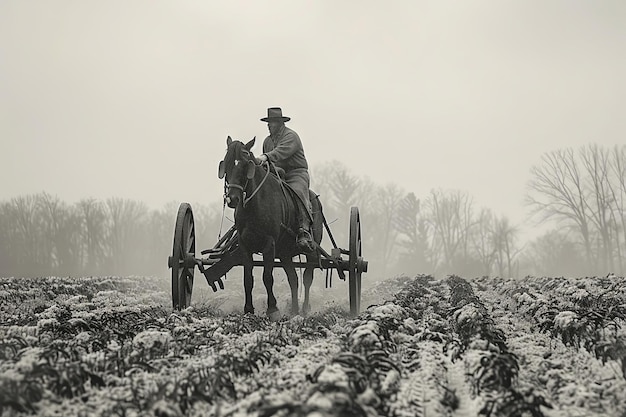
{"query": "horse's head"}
(238, 167)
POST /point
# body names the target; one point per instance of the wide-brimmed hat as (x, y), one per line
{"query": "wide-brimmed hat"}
(275, 114)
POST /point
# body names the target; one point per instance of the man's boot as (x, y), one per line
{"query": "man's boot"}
(304, 241)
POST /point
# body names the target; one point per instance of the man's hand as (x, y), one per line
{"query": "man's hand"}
(261, 159)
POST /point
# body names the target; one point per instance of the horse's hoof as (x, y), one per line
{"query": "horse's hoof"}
(274, 315)
(306, 310)
(248, 310)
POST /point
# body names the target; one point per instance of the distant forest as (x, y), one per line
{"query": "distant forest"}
(580, 194)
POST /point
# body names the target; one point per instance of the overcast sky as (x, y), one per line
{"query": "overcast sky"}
(135, 99)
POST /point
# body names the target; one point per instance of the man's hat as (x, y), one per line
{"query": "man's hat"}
(275, 114)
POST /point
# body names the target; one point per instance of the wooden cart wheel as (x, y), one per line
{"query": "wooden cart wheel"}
(354, 277)
(182, 260)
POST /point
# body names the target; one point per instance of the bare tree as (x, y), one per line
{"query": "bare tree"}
(483, 240)
(28, 253)
(61, 234)
(8, 237)
(504, 245)
(93, 231)
(339, 190)
(555, 253)
(617, 189)
(600, 205)
(381, 231)
(451, 216)
(411, 225)
(345, 189)
(587, 192)
(125, 217)
(556, 191)
(407, 219)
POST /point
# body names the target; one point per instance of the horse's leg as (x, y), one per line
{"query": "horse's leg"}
(307, 281)
(248, 283)
(269, 254)
(313, 258)
(292, 276)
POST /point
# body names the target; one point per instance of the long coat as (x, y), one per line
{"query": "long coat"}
(285, 150)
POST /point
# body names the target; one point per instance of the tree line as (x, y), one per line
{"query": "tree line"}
(40, 235)
(578, 195)
(583, 193)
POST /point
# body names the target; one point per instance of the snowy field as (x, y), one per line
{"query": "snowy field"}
(112, 346)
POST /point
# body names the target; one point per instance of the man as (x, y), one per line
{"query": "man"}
(284, 148)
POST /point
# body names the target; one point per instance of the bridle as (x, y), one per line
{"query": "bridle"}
(246, 199)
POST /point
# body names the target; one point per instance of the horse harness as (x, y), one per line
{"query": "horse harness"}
(246, 199)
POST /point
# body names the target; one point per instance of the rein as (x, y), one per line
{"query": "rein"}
(246, 200)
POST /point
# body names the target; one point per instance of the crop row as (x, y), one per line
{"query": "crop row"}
(492, 369)
(114, 347)
(568, 334)
(114, 350)
(103, 351)
(388, 362)
(577, 315)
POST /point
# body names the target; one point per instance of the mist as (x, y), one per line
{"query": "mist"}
(134, 100)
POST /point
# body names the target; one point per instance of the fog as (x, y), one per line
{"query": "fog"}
(135, 99)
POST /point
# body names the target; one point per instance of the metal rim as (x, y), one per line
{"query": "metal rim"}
(184, 247)
(355, 253)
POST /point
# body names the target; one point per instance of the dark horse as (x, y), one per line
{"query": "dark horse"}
(265, 219)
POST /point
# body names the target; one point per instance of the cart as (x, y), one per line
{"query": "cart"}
(221, 258)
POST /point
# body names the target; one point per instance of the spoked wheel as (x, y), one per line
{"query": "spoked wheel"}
(355, 262)
(182, 260)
